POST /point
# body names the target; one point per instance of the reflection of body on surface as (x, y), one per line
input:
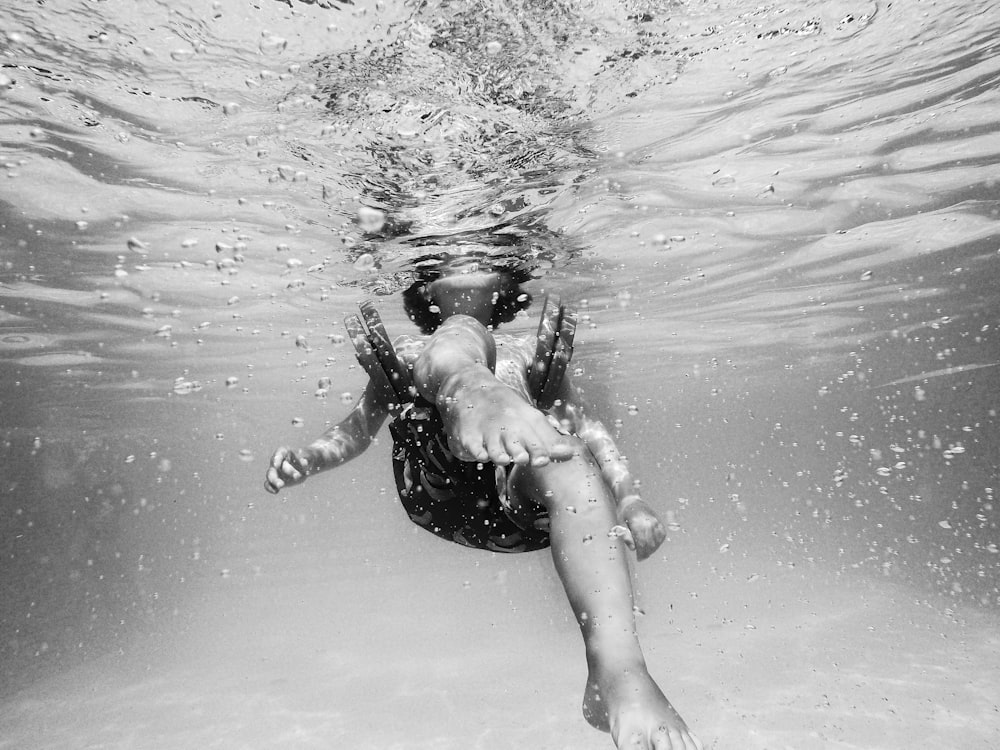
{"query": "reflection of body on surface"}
(493, 449)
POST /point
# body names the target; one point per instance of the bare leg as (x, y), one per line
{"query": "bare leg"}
(484, 419)
(620, 696)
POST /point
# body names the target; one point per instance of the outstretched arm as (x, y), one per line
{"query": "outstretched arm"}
(647, 530)
(342, 442)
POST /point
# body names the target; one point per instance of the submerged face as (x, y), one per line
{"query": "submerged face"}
(485, 287)
(473, 293)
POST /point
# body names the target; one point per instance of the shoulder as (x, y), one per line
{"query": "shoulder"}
(518, 348)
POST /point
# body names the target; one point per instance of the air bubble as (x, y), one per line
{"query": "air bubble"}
(137, 246)
(371, 220)
(271, 44)
(365, 262)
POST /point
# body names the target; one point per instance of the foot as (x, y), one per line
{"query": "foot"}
(491, 422)
(636, 713)
(287, 468)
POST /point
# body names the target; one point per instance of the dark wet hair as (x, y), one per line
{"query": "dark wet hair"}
(509, 268)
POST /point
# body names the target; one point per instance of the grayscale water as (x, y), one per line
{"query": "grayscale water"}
(780, 223)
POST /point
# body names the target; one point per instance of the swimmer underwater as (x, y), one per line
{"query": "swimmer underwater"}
(493, 449)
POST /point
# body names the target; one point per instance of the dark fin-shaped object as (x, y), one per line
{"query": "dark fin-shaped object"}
(397, 372)
(561, 356)
(556, 330)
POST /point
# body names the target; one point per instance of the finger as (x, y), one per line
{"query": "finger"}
(289, 471)
(279, 456)
(301, 463)
(273, 483)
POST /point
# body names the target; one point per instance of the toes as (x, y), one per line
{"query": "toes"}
(497, 451)
(664, 739)
(468, 449)
(516, 450)
(562, 450)
(636, 741)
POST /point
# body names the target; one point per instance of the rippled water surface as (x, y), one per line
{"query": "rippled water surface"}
(779, 222)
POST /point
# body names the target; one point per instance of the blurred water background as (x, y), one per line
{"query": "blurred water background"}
(779, 222)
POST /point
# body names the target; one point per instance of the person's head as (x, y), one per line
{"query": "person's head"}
(486, 287)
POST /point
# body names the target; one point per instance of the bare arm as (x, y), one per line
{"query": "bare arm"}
(647, 530)
(347, 439)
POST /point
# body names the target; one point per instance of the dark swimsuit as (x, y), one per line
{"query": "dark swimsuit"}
(461, 501)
